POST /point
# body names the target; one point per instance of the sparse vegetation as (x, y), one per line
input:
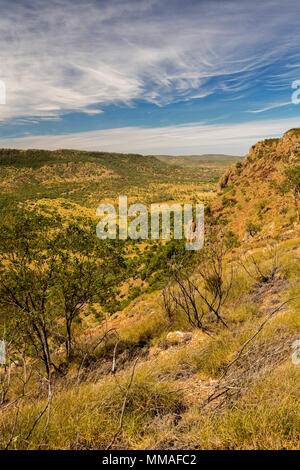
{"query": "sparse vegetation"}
(140, 344)
(253, 228)
(291, 184)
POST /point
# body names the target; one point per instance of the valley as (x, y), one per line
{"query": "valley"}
(139, 344)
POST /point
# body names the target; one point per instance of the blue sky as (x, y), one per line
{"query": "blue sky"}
(148, 76)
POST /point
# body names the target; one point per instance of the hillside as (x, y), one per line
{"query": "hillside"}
(248, 194)
(202, 360)
(89, 178)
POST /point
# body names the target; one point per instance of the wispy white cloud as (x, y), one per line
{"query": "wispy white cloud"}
(187, 139)
(267, 108)
(66, 55)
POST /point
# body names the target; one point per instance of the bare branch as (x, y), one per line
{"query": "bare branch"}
(123, 407)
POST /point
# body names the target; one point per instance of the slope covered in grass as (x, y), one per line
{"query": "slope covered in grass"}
(233, 386)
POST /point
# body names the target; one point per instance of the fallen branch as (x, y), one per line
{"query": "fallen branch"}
(219, 386)
(123, 407)
(256, 333)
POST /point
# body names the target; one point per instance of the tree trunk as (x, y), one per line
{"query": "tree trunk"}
(42, 338)
(297, 207)
(69, 339)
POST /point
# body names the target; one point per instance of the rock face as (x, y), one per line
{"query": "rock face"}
(248, 193)
(264, 158)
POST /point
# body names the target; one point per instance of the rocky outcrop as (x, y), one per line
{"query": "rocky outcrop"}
(248, 189)
(264, 158)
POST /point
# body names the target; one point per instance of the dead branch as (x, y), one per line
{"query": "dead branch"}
(41, 414)
(123, 406)
(221, 385)
(271, 314)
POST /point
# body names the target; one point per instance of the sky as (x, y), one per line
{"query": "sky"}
(148, 76)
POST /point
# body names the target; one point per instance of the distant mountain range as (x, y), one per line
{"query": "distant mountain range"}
(211, 160)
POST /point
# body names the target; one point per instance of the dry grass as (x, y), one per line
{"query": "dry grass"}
(165, 407)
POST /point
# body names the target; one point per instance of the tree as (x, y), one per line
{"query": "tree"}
(78, 281)
(26, 290)
(207, 295)
(27, 281)
(50, 271)
(85, 271)
(291, 184)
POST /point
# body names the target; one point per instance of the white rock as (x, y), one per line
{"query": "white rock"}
(178, 336)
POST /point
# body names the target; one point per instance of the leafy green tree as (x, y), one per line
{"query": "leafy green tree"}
(50, 272)
(291, 184)
(79, 281)
(26, 290)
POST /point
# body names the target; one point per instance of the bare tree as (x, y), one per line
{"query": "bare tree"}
(255, 268)
(185, 297)
(168, 300)
(203, 290)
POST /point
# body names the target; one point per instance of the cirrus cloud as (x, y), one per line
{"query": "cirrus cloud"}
(62, 56)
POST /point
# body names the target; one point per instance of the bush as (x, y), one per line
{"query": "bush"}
(253, 228)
